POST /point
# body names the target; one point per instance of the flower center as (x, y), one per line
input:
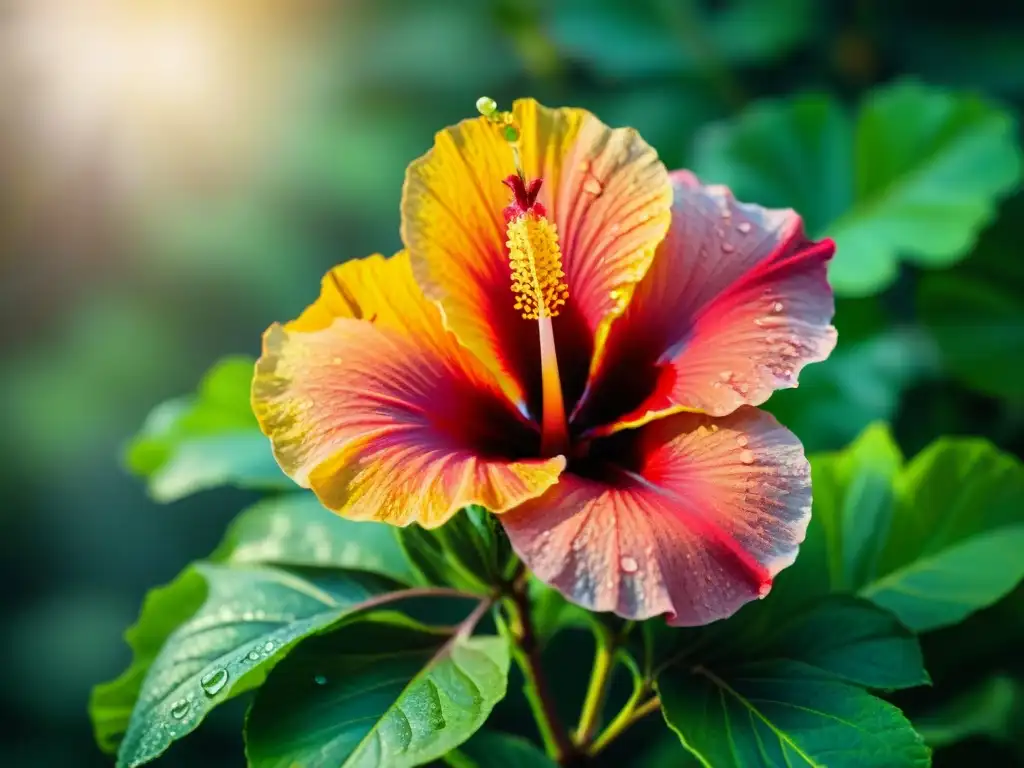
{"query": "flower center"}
(533, 254)
(538, 281)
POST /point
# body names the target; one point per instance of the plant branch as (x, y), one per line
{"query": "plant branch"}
(414, 592)
(597, 690)
(526, 652)
(635, 709)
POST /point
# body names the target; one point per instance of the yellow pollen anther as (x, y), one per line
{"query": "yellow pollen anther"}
(535, 259)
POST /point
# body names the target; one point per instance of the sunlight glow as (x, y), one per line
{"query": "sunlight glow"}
(145, 94)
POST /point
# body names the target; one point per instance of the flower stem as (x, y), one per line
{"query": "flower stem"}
(526, 652)
(597, 691)
(633, 711)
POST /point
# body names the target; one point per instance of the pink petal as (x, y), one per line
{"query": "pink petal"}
(704, 517)
(734, 305)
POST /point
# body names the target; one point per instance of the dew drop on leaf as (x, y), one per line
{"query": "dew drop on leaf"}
(180, 708)
(214, 682)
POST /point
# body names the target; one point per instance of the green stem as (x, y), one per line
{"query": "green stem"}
(633, 711)
(526, 652)
(597, 691)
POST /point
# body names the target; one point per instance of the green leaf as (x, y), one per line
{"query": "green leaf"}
(993, 709)
(382, 691)
(976, 311)
(164, 609)
(292, 531)
(955, 543)
(932, 541)
(295, 529)
(766, 691)
(470, 551)
(250, 619)
(854, 501)
(786, 713)
(914, 175)
(491, 749)
(211, 439)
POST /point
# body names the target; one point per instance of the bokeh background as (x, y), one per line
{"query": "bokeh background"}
(177, 174)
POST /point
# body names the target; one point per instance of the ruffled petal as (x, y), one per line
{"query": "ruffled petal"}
(372, 404)
(377, 289)
(734, 305)
(695, 520)
(605, 190)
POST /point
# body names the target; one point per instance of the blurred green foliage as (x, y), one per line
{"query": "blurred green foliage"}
(890, 125)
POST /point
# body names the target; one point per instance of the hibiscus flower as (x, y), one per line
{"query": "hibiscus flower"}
(577, 340)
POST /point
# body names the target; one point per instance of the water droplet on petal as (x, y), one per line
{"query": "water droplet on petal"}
(629, 564)
(180, 708)
(743, 227)
(593, 186)
(742, 441)
(777, 306)
(763, 589)
(728, 247)
(747, 457)
(725, 375)
(214, 682)
(320, 680)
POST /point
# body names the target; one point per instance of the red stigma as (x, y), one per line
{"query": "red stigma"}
(524, 197)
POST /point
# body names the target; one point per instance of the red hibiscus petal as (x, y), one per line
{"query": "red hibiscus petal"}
(697, 521)
(735, 303)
